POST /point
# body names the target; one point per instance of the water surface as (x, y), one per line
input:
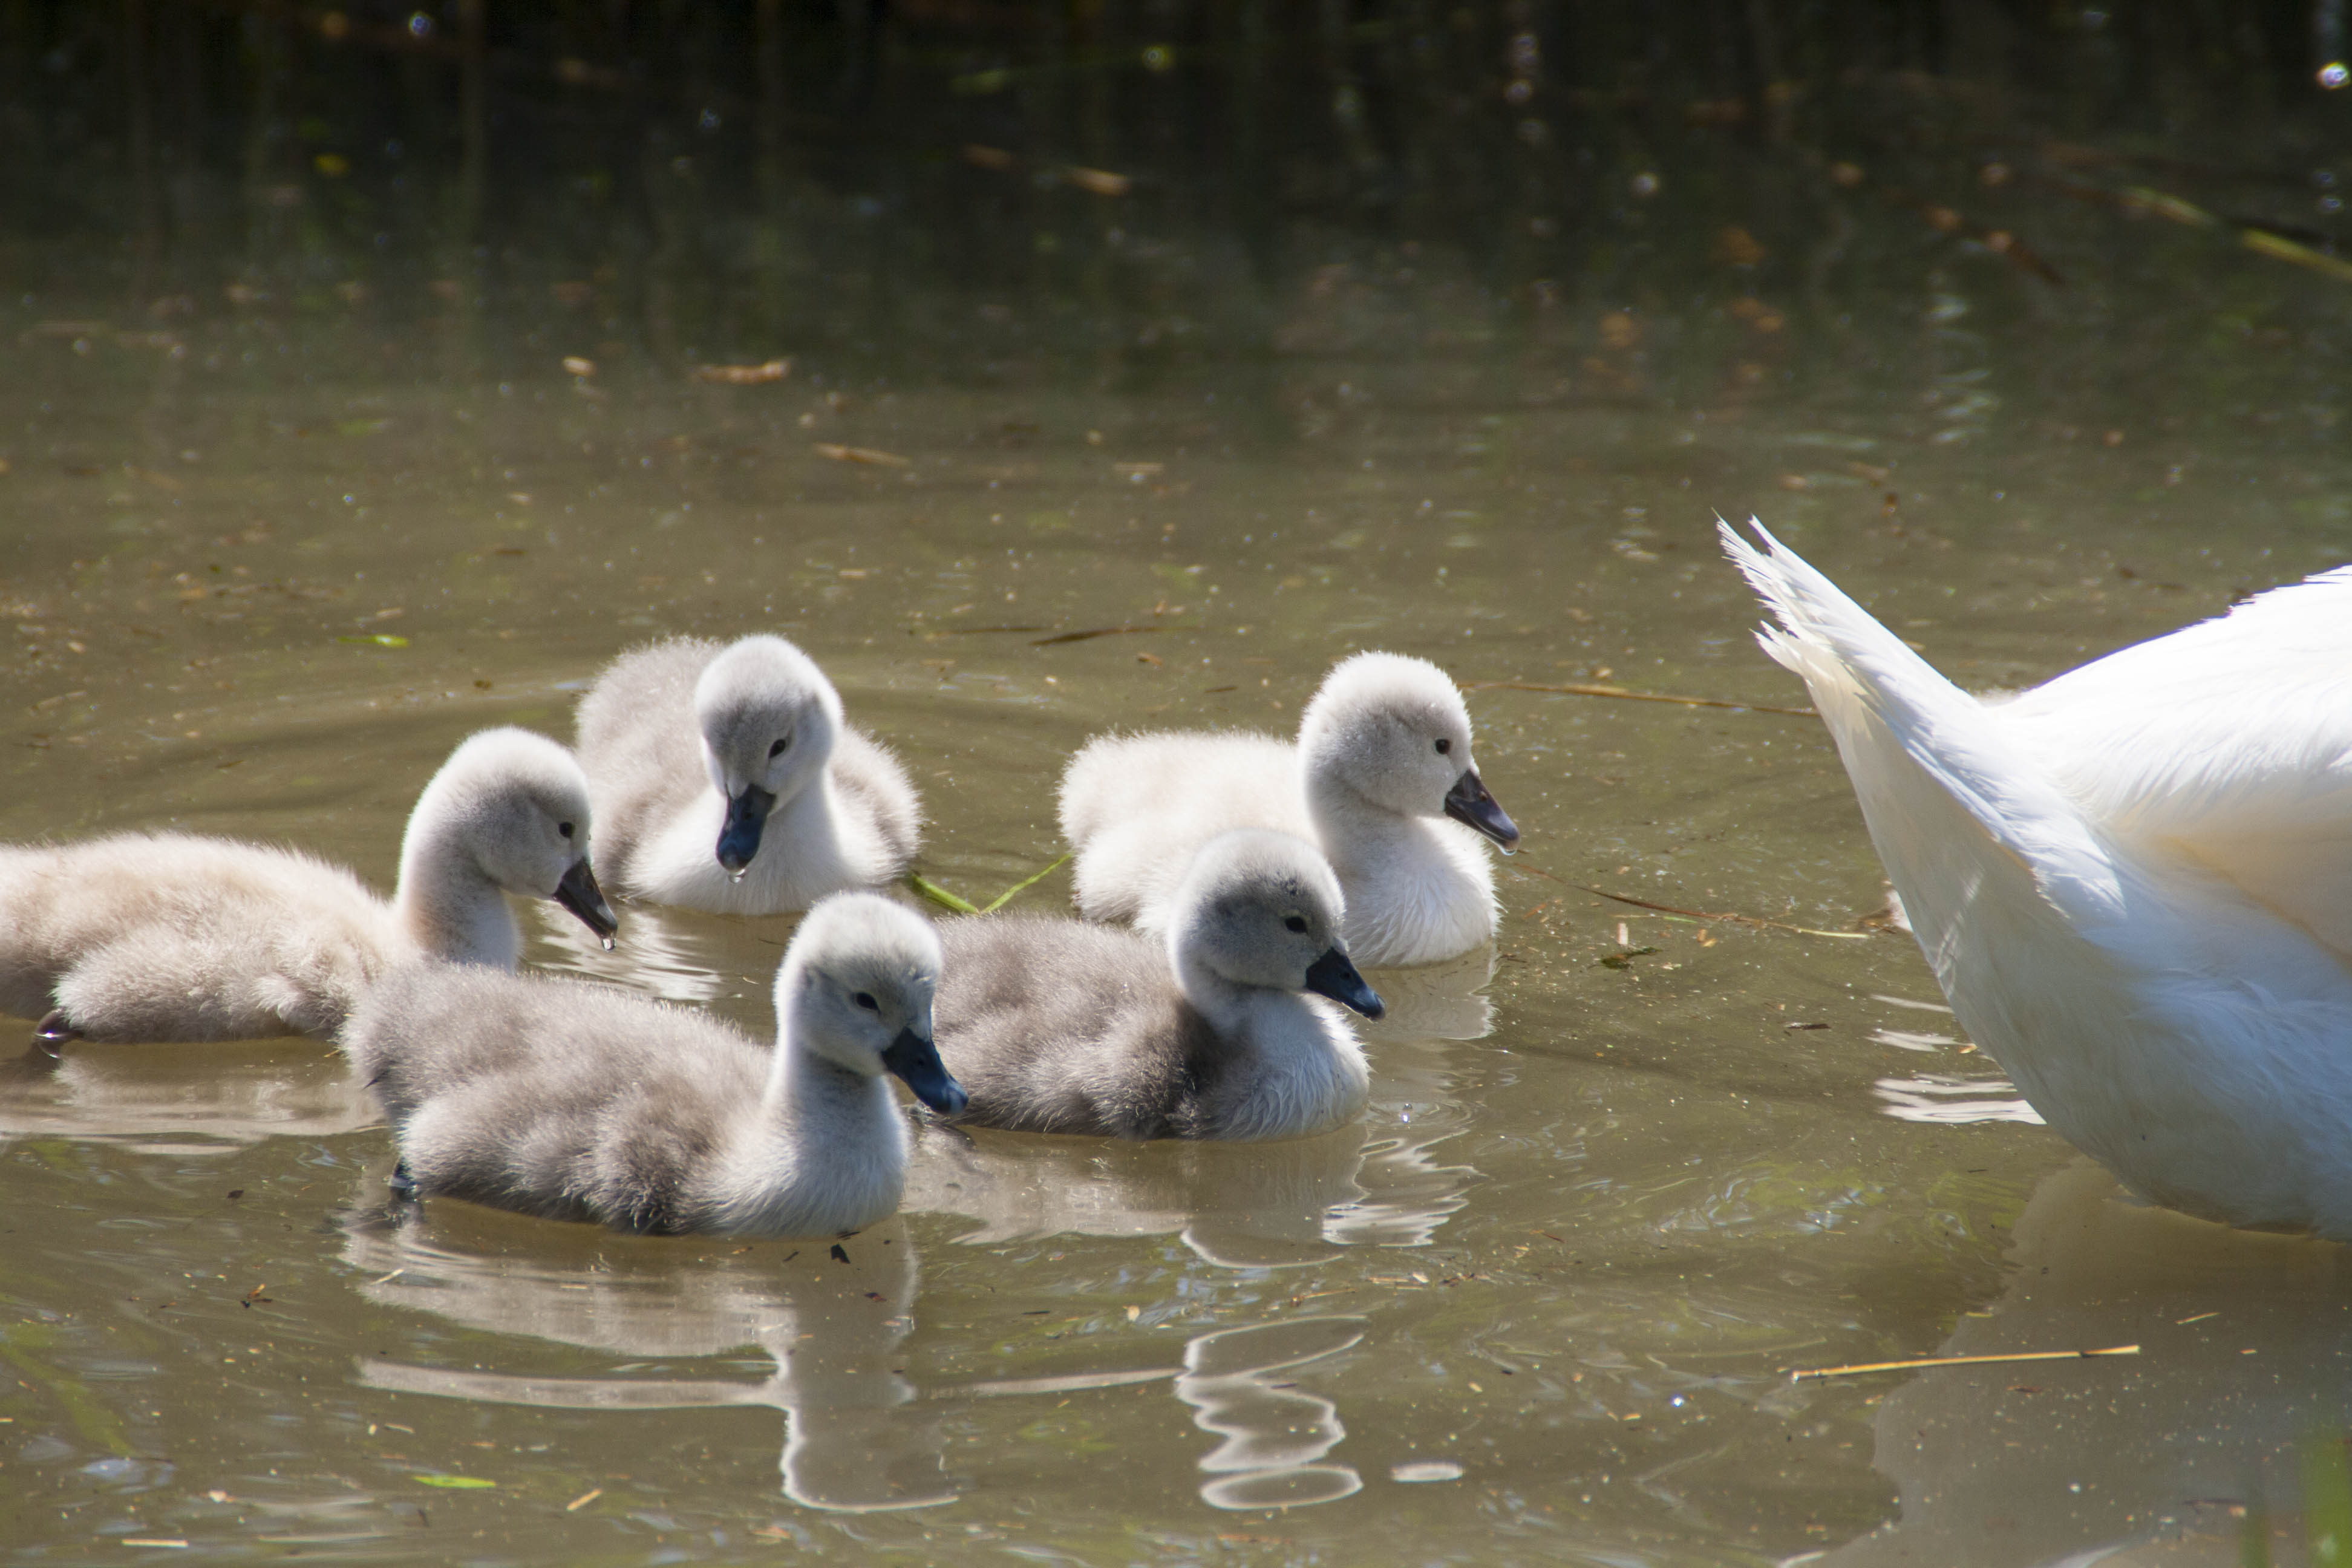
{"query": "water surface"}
(1619, 1174)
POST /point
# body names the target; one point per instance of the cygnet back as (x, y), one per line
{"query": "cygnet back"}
(1059, 1026)
(172, 937)
(726, 779)
(1383, 759)
(574, 1100)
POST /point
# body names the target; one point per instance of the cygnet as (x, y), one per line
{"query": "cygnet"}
(1381, 761)
(788, 803)
(573, 1100)
(165, 936)
(1054, 1025)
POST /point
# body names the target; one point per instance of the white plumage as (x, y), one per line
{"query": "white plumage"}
(1060, 1026)
(579, 1102)
(726, 779)
(1381, 761)
(2134, 882)
(166, 936)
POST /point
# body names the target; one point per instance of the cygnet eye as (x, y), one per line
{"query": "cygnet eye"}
(1295, 923)
(865, 998)
(564, 828)
(778, 749)
(1444, 747)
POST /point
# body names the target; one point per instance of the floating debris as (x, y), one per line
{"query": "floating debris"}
(1797, 1376)
(739, 374)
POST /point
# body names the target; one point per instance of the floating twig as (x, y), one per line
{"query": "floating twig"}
(1688, 914)
(871, 456)
(1797, 1376)
(1098, 632)
(1710, 915)
(730, 374)
(1583, 688)
(963, 906)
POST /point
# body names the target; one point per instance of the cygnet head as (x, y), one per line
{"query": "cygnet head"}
(1394, 731)
(767, 718)
(1261, 908)
(515, 806)
(857, 988)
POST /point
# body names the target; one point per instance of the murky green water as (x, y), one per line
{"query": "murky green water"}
(1540, 1305)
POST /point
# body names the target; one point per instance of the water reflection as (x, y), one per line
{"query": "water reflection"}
(1441, 1001)
(674, 954)
(182, 1099)
(1381, 1182)
(1274, 1433)
(830, 1320)
(2246, 1356)
(1953, 1100)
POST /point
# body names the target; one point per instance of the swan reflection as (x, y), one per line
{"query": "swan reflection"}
(2245, 1366)
(829, 1321)
(1441, 1001)
(183, 1100)
(677, 955)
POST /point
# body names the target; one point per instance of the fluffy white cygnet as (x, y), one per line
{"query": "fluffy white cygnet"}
(1381, 761)
(2134, 882)
(1056, 1026)
(165, 936)
(726, 779)
(579, 1102)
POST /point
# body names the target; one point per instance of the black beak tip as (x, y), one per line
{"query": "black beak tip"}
(1335, 976)
(1470, 804)
(915, 1062)
(580, 895)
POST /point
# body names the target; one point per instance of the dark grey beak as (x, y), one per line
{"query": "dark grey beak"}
(1332, 975)
(915, 1060)
(746, 814)
(579, 893)
(1469, 804)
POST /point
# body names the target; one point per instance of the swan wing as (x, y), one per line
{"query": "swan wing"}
(2226, 746)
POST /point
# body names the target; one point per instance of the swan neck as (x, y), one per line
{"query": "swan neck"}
(447, 904)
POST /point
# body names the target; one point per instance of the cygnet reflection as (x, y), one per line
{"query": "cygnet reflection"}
(2244, 1369)
(1380, 1181)
(1244, 1206)
(830, 1318)
(674, 954)
(182, 1099)
(1442, 1001)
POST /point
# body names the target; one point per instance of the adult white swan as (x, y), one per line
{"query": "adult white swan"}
(2135, 882)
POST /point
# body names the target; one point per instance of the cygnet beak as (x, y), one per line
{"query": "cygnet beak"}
(1469, 804)
(579, 893)
(746, 814)
(915, 1060)
(1334, 976)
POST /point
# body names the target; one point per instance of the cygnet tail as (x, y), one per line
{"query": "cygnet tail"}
(1952, 800)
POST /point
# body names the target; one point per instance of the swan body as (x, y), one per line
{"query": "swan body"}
(2134, 882)
(726, 779)
(1381, 761)
(1056, 1026)
(167, 936)
(579, 1101)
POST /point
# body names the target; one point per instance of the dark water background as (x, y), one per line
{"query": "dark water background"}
(351, 402)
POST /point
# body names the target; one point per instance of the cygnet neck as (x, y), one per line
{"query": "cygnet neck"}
(1225, 1003)
(1355, 832)
(446, 904)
